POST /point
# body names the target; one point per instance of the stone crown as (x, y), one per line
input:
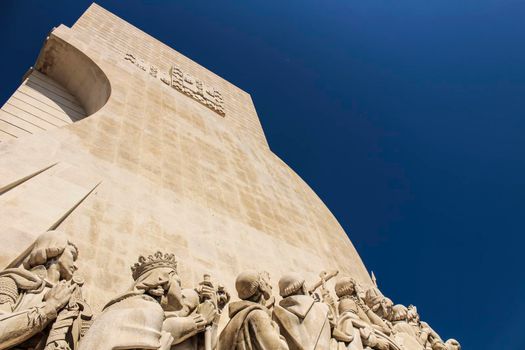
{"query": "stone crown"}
(151, 262)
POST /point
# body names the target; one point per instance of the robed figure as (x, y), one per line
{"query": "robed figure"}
(302, 321)
(138, 319)
(250, 326)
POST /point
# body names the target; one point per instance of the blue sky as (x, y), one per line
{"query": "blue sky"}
(406, 117)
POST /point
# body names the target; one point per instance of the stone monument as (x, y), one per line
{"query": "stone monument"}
(116, 146)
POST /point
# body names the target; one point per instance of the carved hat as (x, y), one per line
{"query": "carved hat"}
(290, 284)
(47, 246)
(247, 283)
(344, 286)
(151, 262)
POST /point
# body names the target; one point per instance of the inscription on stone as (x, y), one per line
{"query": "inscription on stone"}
(183, 82)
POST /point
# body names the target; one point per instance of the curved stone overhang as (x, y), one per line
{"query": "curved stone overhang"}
(74, 70)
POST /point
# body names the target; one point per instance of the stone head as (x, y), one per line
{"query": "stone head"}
(413, 315)
(453, 344)
(379, 304)
(292, 284)
(399, 313)
(190, 301)
(387, 305)
(156, 275)
(345, 286)
(253, 285)
(53, 248)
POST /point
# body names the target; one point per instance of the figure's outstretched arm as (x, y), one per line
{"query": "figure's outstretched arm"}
(182, 328)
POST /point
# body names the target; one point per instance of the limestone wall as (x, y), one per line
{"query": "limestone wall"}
(39, 104)
(154, 168)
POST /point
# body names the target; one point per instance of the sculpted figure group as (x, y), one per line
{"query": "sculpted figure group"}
(42, 308)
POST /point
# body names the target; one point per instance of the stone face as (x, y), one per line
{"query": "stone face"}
(150, 151)
(41, 302)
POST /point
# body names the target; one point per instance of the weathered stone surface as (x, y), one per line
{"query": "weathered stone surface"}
(174, 173)
(154, 152)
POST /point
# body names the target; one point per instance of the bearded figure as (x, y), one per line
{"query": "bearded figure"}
(427, 336)
(379, 304)
(404, 333)
(357, 320)
(137, 319)
(303, 322)
(250, 326)
(41, 303)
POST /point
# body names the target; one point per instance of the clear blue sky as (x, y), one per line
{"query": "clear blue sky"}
(406, 117)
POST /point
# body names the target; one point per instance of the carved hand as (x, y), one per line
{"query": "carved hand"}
(206, 312)
(328, 299)
(208, 293)
(59, 295)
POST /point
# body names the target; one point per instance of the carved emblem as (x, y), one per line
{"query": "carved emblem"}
(183, 82)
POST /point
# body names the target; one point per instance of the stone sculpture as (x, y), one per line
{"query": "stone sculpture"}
(191, 299)
(324, 295)
(427, 336)
(190, 302)
(453, 344)
(355, 315)
(42, 308)
(378, 303)
(41, 304)
(140, 319)
(404, 333)
(250, 326)
(302, 321)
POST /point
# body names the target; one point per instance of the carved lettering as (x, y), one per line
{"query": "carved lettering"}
(184, 83)
(153, 71)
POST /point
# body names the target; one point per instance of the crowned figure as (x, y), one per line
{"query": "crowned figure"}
(137, 318)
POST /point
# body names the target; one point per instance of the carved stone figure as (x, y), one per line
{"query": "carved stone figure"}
(354, 314)
(427, 336)
(250, 326)
(137, 319)
(324, 294)
(302, 321)
(378, 303)
(453, 344)
(190, 302)
(191, 299)
(404, 333)
(41, 304)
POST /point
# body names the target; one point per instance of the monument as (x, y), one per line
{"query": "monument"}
(115, 146)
